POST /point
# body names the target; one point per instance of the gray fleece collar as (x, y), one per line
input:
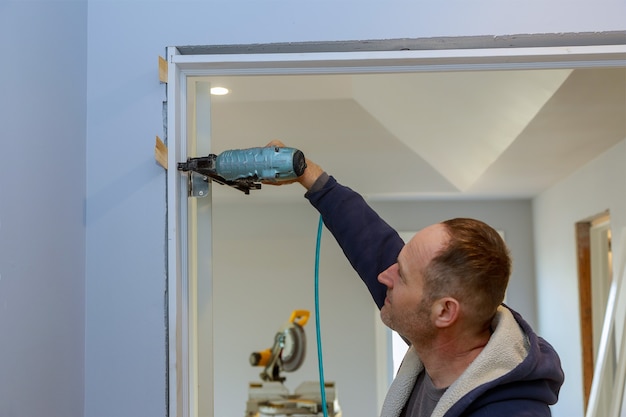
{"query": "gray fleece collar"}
(506, 349)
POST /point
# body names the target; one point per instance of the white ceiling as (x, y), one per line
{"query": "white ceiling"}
(491, 134)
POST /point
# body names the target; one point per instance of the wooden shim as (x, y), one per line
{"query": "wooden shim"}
(162, 70)
(160, 152)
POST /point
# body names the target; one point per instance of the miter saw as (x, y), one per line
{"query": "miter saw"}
(270, 397)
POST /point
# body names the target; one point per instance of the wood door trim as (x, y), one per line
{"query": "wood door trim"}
(583, 250)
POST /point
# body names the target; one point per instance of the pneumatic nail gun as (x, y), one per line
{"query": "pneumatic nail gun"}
(246, 169)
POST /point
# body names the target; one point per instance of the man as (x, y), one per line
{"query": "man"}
(469, 354)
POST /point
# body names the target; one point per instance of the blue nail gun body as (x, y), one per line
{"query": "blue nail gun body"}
(245, 169)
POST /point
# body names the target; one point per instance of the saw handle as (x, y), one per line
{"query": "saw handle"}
(300, 317)
(261, 358)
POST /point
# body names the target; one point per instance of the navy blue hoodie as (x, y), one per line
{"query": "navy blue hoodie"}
(518, 374)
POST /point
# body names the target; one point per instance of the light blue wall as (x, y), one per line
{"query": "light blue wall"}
(42, 191)
(44, 252)
(125, 351)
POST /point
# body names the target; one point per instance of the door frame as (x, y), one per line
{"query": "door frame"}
(185, 62)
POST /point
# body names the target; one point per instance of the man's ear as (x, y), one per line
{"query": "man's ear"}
(446, 311)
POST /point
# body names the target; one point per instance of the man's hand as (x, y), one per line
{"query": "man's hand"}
(307, 179)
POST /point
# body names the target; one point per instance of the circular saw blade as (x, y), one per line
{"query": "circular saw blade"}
(294, 351)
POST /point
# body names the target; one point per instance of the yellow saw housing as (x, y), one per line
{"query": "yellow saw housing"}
(288, 351)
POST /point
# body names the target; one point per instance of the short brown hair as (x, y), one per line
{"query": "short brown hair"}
(474, 268)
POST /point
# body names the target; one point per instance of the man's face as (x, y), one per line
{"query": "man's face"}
(407, 309)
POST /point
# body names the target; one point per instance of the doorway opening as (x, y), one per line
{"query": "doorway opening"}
(187, 340)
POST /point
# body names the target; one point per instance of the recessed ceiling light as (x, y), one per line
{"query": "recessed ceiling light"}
(219, 91)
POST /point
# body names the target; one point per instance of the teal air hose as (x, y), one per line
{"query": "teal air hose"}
(317, 317)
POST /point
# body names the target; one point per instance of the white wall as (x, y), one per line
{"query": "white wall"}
(42, 193)
(264, 269)
(598, 186)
